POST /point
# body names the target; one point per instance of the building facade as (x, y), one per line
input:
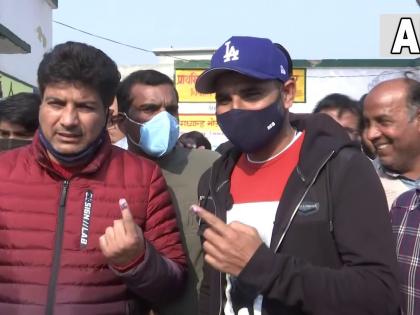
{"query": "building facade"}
(314, 78)
(25, 35)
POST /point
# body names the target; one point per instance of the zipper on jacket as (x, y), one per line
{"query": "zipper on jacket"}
(288, 224)
(49, 310)
(301, 199)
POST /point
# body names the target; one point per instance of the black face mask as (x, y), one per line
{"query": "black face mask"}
(10, 143)
(251, 130)
(83, 156)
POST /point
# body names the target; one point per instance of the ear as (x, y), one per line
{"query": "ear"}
(288, 93)
(122, 124)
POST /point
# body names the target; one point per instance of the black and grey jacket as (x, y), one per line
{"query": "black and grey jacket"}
(331, 250)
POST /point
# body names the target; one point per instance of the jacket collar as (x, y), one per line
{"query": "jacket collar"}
(101, 157)
(322, 137)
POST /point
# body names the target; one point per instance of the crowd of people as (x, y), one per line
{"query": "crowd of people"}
(106, 209)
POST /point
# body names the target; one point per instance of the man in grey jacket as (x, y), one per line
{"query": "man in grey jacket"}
(148, 104)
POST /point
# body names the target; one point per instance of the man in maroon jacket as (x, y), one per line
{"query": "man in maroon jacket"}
(86, 228)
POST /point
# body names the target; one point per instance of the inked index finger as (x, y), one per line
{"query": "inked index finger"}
(214, 222)
(127, 217)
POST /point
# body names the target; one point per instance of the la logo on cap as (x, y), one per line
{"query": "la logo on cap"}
(231, 53)
(282, 71)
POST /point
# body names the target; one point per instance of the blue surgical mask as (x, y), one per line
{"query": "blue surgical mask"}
(158, 136)
(251, 130)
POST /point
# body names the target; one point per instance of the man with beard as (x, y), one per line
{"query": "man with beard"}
(296, 219)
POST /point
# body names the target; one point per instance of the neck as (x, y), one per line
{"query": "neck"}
(277, 145)
(414, 171)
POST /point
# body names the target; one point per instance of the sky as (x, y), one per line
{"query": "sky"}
(324, 29)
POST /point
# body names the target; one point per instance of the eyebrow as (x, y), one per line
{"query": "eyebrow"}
(243, 90)
(156, 106)
(60, 100)
(252, 88)
(384, 117)
(53, 98)
(221, 95)
(150, 105)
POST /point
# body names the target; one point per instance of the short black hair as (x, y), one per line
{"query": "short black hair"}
(194, 139)
(362, 101)
(343, 104)
(21, 109)
(146, 77)
(77, 63)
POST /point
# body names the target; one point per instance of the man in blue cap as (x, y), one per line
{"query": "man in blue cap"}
(293, 217)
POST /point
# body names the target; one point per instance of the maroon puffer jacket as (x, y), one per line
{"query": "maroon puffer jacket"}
(50, 261)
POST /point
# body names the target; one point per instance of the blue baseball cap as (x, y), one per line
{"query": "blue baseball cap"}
(255, 57)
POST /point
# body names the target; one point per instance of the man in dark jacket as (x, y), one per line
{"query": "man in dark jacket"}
(296, 219)
(86, 227)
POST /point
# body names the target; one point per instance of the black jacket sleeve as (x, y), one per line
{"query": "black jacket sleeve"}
(204, 294)
(367, 281)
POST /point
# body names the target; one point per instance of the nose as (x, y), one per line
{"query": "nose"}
(69, 117)
(237, 102)
(372, 133)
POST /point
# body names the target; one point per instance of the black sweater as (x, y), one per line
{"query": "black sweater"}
(332, 250)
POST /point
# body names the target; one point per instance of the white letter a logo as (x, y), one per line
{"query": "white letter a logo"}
(405, 38)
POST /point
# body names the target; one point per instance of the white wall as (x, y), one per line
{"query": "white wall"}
(31, 21)
(353, 82)
(167, 69)
(320, 82)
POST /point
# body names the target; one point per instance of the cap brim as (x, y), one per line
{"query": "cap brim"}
(206, 82)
